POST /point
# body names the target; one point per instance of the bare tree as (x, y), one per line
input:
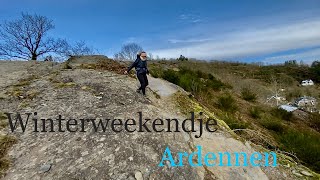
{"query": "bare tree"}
(150, 56)
(78, 49)
(276, 92)
(26, 38)
(128, 52)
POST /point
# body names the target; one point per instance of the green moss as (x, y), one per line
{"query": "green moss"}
(23, 104)
(186, 105)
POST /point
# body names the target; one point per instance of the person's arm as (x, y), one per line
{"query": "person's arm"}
(147, 68)
(134, 64)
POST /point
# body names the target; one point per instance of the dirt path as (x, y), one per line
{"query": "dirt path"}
(162, 87)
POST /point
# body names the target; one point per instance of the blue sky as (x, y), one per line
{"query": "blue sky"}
(270, 31)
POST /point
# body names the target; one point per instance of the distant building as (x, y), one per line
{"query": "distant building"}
(308, 82)
(306, 103)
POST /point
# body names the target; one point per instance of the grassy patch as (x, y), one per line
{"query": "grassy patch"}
(23, 104)
(315, 121)
(233, 122)
(282, 114)
(88, 66)
(5, 143)
(304, 144)
(255, 112)
(272, 124)
(187, 105)
(18, 90)
(248, 95)
(15, 92)
(227, 103)
(192, 81)
(105, 64)
(66, 65)
(3, 122)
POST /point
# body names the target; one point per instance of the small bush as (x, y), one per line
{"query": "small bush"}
(304, 144)
(171, 76)
(255, 112)
(315, 121)
(234, 123)
(155, 72)
(282, 114)
(66, 65)
(293, 94)
(248, 95)
(272, 124)
(227, 103)
(191, 83)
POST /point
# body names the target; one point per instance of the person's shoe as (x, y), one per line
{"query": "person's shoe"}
(138, 91)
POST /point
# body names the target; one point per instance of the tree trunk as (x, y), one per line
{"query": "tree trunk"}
(34, 56)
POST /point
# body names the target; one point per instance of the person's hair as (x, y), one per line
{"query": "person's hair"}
(141, 53)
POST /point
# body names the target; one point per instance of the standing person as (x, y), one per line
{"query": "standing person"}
(140, 65)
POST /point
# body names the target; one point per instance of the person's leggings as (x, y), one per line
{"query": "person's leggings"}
(143, 82)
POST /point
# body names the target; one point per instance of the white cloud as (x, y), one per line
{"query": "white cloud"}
(308, 57)
(193, 18)
(174, 41)
(249, 42)
(131, 40)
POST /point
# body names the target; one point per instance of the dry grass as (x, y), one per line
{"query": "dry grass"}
(21, 89)
(105, 64)
(6, 142)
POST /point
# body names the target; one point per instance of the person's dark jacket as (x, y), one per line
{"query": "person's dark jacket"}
(139, 65)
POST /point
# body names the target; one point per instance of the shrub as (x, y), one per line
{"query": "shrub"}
(248, 95)
(227, 103)
(171, 76)
(66, 65)
(282, 114)
(304, 144)
(234, 123)
(215, 84)
(315, 121)
(255, 112)
(156, 72)
(272, 124)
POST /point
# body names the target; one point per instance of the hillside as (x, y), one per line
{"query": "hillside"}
(94, 86)
(245, 96)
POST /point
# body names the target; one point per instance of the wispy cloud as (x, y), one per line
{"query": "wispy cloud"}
(174, 41)
(307, 57)
(132, 40)
(243, 43)
(193, 18)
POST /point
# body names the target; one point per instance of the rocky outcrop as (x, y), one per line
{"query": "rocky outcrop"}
(91, 93)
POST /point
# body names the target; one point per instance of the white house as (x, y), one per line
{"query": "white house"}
(308, 82)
